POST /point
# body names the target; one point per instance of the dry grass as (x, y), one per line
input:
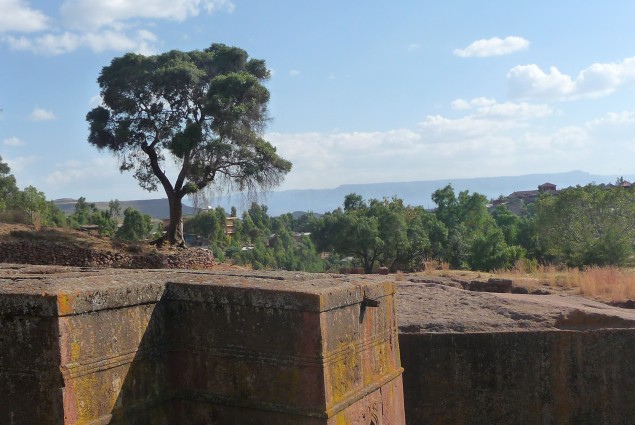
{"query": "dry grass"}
(602, 283)
(607, 284)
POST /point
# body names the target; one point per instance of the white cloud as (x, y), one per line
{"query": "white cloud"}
(482, 141)
(13, 141)
(294, 73)
(460, 104)
(413, 46)
(40, 114)
(98, 25)
(486, 107)
(20, 163)
(493, 47)
(364, 155)
(72, 170)
(19, 17)
(141, 41)
(531, 82)
(614, 118)
(89, 14)
(516, 111)
(74, 178)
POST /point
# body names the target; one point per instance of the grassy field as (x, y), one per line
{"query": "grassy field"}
(607, 284)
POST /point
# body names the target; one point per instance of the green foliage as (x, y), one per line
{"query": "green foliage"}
(508, 222)
(489, 251)
(207, 109)
(25, 206)
(135, 227)
(474, 239)
(588, 225)
(265, 242)
(376, 232)
(210, 225)
(55, 216)
(31, 201)
(8, 187)
(114, 209)
(83, 212)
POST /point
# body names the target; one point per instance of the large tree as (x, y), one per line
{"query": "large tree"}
(207, 109)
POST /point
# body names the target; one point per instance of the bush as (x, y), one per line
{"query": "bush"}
(136, 226)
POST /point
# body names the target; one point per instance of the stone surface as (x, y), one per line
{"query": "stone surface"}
(437, 308)
(488, 358)
(190, 347)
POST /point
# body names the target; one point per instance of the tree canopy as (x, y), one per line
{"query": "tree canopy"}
(8, 186)
(381, 232)
(206, 109)
(587, 225)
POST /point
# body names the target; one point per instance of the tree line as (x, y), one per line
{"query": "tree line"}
(580, 226)
(257, 239)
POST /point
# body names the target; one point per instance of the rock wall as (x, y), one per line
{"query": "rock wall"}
(36, 252)
(202, 348)
(547, 377)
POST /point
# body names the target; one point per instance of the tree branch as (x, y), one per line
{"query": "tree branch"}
(156, 169)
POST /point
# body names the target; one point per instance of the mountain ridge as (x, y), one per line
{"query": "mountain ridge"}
(412, 193)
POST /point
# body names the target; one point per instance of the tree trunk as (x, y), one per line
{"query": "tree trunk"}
(368, 265)
(174, 235)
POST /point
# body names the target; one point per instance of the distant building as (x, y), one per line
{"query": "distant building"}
(517, 201)
(530, 196)
(547, 187)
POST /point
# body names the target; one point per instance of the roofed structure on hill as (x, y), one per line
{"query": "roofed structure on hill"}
(517, 201)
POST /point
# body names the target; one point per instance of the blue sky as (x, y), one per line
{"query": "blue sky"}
(361, 91)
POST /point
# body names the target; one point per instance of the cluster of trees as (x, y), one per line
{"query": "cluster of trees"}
(135, 225)
(580, 226)
(258, 240)
(590, 225)
(25, 206)
(30, 206)
(385, 232)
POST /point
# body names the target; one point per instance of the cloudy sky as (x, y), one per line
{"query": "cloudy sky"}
(369, 91)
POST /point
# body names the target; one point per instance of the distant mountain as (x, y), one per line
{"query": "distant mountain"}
(417, 193)
(413, 193)
(155, 208)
